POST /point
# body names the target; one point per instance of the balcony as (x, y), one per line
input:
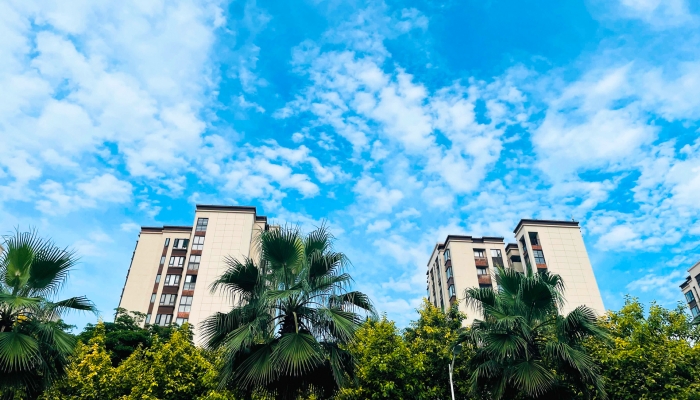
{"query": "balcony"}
(448, 263)
(453, 300)
(497, 262)
(484, 279)
(481, 262)
(536, 247)
(450, 281)
(541, 266)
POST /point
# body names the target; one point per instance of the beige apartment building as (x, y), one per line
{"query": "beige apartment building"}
(173, 267)
(691, 289)
(461, 262)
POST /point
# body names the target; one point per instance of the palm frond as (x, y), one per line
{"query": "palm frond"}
(297, 353)
(240, 277)
(17, 351)
(531, 377)
(81, 303)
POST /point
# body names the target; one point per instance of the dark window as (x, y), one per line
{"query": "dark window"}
(167, 299)
(451, 290)
(198, 243)
(202, 224)
(194, 262)
(482, 271)
(689, 296)
(181, 244)
(446, 255)
(167, 242)
(172, 280)
(157, 278)
(515, 259)
(185, 304)
(478, 253)
(163, 319)
(153, 298)
(190, 282)
(176, 262)
(448, 272)
(539, 256)
(695, 311)
(148, 318)
(534, 239)
(527, 262)
(522, 243)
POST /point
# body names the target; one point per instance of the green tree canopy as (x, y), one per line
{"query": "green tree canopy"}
(293, 318)
(34, 344)
(652, 355)
(524, 348)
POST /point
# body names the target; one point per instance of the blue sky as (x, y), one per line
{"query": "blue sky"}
(398, 122)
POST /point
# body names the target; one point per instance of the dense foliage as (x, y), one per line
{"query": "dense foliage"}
(125, 334)
(411, 364)
(652, 355)
(34, 344)
(524, 348)
(293, 317)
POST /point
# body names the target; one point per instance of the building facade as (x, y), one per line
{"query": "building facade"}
(173, 267)
(691, 289)
(462, 262)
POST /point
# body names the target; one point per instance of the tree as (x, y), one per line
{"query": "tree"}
(650, 357)
(524, 347)
(34, 344)
(294, 315)
(433, 335)
(125, 334)
(90, 375)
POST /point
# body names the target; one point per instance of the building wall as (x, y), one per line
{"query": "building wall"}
(141, 276)
(565, 254)
(692, 286)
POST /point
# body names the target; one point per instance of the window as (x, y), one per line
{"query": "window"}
(515, 259)
(163, 319)
(180, 321)
(202, 224)
(176, 262)
(167, 299)
(198, 243)
(185, 304)
(451, 290)
(482, 271)
(522, 244)
(153, 298)
(539, 256)
(190, 282)
(167, 242)
(447, 254)
(148, 318)
(162, 260)
(695, 311)
(689, 296)
(181, 244)
(534, 239)
(495, 253)
(527, 262)
(449, 272)
(172, 280)
(479, 254)
(157, 278)
(194, 262)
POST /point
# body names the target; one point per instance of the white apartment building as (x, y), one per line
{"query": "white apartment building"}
(173, 267)
(461, 262)
(691, 289)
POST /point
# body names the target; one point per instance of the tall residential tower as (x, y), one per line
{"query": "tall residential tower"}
(461, 262)
(173, 266)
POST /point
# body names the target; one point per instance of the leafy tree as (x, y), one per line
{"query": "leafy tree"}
(293, 318)
(34, 344)
(171, 370)
(125, 334)
(651, 357)
(433, 335)
(386, 368)
(524, 347)
(90, 375)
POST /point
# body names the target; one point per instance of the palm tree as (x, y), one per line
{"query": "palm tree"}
(34, 346)
(292, 317)
(524, 348)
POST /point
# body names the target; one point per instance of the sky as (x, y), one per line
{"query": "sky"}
(396, 122)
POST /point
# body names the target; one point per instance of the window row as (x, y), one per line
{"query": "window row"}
(198, 243)
(201, 224)
(481, 253)
(165, 319)
(174, 280)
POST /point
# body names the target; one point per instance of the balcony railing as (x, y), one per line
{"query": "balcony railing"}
(484, 279)
(481, 262)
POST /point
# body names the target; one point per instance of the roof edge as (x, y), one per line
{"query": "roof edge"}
(544, 222)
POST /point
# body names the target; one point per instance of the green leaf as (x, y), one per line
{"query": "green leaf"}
(17, 351)
(297, 353)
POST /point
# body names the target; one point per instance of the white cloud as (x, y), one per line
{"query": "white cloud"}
(658, 13)
(380, 198)
(378, 226)
(130, 227)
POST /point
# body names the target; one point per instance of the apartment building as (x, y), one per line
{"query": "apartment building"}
(173, 267)
(461, 262)
(691, 289)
